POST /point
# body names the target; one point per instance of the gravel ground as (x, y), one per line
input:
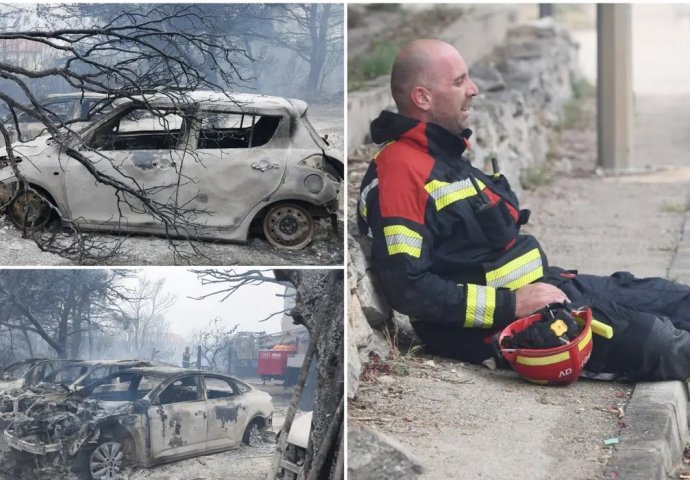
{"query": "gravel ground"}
(325, 249)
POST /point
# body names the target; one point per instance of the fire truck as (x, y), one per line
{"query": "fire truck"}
(273, 363)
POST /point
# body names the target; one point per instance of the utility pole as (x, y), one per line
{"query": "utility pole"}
(614, 86)
(198, 357)
(546, 10)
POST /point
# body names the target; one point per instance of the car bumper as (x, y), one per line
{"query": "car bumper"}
(36, 448)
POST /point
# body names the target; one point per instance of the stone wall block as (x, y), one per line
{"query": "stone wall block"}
(354, 368)
(374, 305)
(375, 456)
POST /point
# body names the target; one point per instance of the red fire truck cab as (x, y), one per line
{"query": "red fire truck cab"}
(272, 363)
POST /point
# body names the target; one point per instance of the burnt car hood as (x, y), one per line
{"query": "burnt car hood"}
(53, 422)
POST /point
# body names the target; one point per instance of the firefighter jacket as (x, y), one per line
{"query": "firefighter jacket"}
(442, 251)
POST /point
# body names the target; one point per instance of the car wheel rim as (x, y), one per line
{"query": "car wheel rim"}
(289, 226)
(254, 436)
(29, 209)
(106, 461)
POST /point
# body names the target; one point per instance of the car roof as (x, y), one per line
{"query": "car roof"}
(73, 95)
(172, 371)
(56, 360)
(110, 362)
(31, 361)
(158, 370)
(294, 106)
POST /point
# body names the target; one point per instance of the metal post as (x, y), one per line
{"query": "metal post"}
(614, 86)
(546, 10)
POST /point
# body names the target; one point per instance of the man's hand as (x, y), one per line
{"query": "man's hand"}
(535, 296)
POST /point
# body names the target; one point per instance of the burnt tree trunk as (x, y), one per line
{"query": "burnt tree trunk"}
(67, 311)
(318, 31)
(319, 307)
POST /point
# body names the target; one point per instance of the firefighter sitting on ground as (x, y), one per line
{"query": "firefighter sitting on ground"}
(446, 246)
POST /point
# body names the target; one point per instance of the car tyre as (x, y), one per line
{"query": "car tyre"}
(107, 460)
(252, 434)
(30, 210)
(288, 225)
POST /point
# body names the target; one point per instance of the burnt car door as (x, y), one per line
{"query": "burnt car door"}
(139, 148)
(178, 419)
(239, 160)
(227, 415)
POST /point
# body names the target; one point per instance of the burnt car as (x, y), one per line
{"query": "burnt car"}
(143, 416)
(223, 162)
(52, 380)
(17, 370)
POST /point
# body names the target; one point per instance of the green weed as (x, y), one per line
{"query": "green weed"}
(368, 66)
(537, 176)
(674, 207)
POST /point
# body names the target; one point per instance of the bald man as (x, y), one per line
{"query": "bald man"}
(447, 247)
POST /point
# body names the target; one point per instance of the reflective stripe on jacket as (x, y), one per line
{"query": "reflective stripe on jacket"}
(443, 251)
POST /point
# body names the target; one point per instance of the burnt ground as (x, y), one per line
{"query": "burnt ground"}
(245, 463)
(325, 249)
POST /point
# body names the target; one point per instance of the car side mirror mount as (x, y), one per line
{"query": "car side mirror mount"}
(140, 406)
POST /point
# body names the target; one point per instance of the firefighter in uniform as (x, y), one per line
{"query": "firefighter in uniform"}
(447, 247)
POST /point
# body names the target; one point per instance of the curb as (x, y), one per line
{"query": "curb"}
(652, 444)
(680, 265)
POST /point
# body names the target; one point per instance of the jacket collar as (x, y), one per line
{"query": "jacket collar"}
(446, 143)
(428, 136)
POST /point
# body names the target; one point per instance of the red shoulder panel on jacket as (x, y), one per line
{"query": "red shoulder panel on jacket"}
(403, 168)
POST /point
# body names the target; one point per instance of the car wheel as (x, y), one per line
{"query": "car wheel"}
(107, 461)
(29, 210)
(5, 197)
(289, 226)
(252, 435)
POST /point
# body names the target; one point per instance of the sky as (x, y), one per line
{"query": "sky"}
(245, 307)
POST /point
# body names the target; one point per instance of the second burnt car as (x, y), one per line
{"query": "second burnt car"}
(53, 379)
(143, 417)
(13, 375)
(212, 164)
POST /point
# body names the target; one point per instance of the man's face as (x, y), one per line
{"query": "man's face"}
(451, 92)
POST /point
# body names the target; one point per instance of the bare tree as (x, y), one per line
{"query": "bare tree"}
(214, 342)
(317, 38)
(60, 305)
(142, 315)
(319, 307)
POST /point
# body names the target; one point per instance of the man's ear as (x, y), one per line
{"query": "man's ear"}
(421, 98)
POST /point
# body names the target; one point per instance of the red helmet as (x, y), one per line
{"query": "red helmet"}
(549, 366)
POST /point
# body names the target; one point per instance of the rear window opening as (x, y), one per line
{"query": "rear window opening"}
(236, 130)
